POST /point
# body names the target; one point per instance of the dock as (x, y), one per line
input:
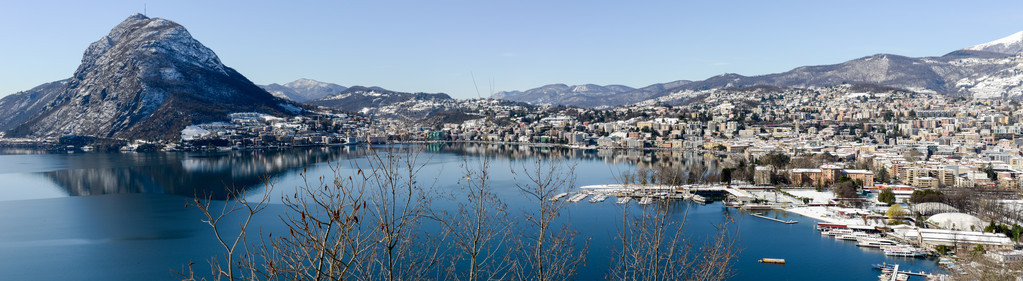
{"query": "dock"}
(623, 200)
(895, 268)
(646, 201)
(773, 219)
(578, 197)
(558, 197)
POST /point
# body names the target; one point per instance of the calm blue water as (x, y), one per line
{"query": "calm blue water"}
(113, 216)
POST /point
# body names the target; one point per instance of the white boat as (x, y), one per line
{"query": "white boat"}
(839, 231)
(623, 200)
(646, 201)
(598, 198)
(874, 242)
(699, 199)
(854, 236)
(888, 277)
(904, 251)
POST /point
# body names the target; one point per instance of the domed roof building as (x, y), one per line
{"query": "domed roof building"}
(957, 221)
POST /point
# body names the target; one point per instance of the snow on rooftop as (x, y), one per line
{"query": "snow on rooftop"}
(192, 132)
(957, 221)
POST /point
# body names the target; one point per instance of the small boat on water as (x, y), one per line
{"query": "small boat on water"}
(558, 196)
(623, 200)
(699, 199)
(888, 277)
(890, 273)
(598, 198)
(772, 261)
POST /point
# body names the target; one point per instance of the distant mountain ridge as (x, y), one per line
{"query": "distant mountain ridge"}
(357, 98)
(147, 79)
(588, 95)
(303, 90)
(988, 70)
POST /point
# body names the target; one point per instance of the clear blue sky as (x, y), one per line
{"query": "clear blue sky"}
(434, 46)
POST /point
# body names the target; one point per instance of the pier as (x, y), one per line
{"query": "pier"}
(773, 219)
(895, 268)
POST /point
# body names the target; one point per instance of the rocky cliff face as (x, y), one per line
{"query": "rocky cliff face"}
(147, 79)
(18, 108)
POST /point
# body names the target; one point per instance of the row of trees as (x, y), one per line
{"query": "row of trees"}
(378, 222)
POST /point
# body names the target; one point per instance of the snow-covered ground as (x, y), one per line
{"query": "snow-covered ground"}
(824, 213)
(817, 197)
(772, 196)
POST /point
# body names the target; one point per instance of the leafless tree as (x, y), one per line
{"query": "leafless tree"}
(237, 254)
(478, 228)
(329, 233)
(398, 202)
(548, 249)
(361, 224)
(654, 247)
(976, 266)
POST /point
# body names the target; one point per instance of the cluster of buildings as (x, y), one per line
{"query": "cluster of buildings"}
(919, 140)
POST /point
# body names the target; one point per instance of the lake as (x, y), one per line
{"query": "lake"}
(123, 216)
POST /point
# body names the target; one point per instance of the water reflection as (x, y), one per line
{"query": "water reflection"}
(185, 174)
(215, 173)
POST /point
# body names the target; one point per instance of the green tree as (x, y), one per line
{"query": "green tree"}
(990, 171)
(775, 158)
(928, 195)
(887, 196)
(882, 176)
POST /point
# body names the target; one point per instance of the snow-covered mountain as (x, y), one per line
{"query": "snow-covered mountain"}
(302, 90)
(147, 79)
(989, 70)
(22, 106)
(1012, 44)
(588, 95)
(375, 100)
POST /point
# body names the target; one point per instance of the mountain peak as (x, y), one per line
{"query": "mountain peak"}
(144, 36)
(1011, 44)
(146, 76)
(304, 82)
